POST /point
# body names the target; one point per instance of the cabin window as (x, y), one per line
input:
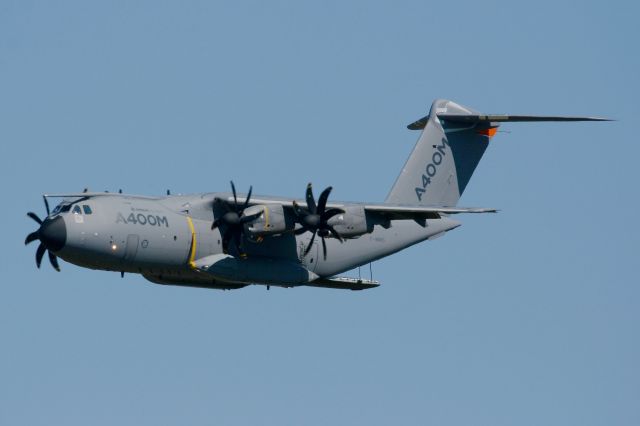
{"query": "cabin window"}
(76, 209)
(86, 209)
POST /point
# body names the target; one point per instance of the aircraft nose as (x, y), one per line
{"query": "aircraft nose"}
(53, 233)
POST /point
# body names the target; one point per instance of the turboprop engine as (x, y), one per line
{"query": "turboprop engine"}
(275, 220)
(352, 223)
(272, 221)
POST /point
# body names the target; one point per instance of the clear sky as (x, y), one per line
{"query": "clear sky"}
(527, 317)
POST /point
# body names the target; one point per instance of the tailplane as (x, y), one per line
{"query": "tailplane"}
(451, 144)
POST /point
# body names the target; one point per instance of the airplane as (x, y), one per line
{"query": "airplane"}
(228, 240)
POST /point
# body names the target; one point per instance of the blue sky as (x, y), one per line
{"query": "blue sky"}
(529, 316)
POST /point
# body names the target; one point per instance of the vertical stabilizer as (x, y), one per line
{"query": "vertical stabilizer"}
(444, 158)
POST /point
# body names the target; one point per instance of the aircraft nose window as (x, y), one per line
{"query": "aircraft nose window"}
(86, 209)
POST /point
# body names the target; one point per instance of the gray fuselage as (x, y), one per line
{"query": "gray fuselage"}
(162, 237)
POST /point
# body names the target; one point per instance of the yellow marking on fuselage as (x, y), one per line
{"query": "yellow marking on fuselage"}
(192, 251)
(265, 210)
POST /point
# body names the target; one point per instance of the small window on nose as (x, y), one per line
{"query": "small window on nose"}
(87, 209)
(76, 209)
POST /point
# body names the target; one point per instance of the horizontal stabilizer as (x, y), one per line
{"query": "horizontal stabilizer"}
(499, 118)
(344, 283)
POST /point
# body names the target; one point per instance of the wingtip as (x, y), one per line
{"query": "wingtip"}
(597, 119)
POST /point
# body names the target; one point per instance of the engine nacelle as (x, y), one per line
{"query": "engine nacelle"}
(352, 223)
(273, 220)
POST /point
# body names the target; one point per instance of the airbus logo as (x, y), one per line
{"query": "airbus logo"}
(432, 168)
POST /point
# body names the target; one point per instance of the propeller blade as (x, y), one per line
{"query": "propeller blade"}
(40, 254)
(31, 237)
(331, 213)
(311, 201)
(308, 249)
(335, 233)
(300, 231)
(322, 201)
(324, 248)
(54, 261)
(237, 240)
(35, 217)
(225, 242)
(215, 224)
(235, 197)
(46, 204)
(246, 202)
(218, 203)
(298, 211)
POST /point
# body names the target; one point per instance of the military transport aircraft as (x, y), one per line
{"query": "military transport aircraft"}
(228, 240)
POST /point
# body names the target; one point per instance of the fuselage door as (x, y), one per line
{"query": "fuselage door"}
(131, 249)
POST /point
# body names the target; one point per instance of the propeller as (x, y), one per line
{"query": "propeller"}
(315, 218)
(52, 237)
(232, 222)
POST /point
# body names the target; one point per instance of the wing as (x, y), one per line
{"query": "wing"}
(388, 211)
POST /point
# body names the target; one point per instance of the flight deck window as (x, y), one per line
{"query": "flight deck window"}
(86, 209)
(65, 208)
(76, 209)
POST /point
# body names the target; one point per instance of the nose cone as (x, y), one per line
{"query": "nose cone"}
(53, 233)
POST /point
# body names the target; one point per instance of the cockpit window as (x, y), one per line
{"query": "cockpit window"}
(75, 208)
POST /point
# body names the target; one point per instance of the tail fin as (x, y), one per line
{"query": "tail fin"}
(443, 160)
(447, 153)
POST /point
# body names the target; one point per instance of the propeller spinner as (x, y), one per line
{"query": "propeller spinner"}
(316, 217)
